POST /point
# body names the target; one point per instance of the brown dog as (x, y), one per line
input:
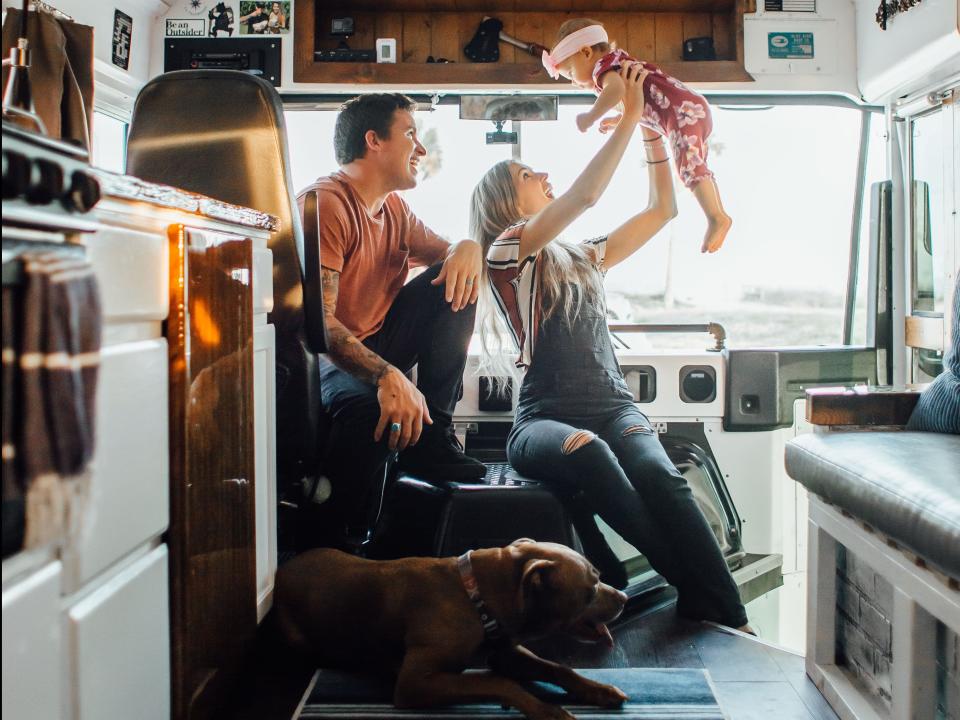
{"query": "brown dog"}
(415, 615)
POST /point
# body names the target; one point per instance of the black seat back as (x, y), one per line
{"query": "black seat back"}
(222, 133)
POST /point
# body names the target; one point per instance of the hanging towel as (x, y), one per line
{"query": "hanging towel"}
(61, 72)
(11, 522)
(56, 356)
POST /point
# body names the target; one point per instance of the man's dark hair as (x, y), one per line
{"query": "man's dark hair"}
(365, 112)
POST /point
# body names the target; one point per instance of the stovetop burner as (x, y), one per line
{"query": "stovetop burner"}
(46, 183)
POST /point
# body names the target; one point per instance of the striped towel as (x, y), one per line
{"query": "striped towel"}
(51, 356)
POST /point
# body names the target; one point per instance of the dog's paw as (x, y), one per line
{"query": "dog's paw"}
(594, 693)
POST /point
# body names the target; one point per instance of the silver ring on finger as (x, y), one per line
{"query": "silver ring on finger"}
(395, 427)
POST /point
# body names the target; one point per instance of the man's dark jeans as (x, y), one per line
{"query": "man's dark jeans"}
(420, 329)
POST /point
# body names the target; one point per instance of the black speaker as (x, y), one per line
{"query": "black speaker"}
(699, 48)
(698, 384)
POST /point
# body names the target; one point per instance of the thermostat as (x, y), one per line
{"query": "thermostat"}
(386, 50)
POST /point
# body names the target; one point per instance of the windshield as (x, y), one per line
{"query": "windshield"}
(786, 174)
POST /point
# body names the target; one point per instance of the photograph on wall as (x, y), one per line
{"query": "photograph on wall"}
(122, 37)
(221, 18)
(263, 17)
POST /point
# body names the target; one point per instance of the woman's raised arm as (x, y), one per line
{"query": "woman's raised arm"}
(590, 184)
(661, 207)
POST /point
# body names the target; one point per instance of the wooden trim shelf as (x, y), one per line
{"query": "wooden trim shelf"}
(442, 27)
(493, 74)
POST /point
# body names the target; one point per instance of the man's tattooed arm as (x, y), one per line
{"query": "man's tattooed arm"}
(344, 349)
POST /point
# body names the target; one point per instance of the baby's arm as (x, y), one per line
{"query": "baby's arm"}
(609, 98)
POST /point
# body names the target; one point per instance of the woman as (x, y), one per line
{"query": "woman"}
(576, 425)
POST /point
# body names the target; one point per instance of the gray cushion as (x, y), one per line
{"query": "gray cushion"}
(904, 484)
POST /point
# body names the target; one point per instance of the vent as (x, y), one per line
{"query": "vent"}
(790, 6)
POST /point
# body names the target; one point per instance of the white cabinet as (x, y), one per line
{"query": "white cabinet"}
(129, 488)
(31, 646)
(119, 645)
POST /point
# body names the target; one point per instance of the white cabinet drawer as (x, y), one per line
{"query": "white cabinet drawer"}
(119, 646)
(262, 280)
(129, 487)
(132, 271)
(31, 646)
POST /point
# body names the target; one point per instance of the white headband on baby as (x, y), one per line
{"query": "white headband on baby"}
(584, 37)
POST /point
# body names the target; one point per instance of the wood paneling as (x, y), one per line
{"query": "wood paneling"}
(669, 37)
(860, 406)
(647, 30)
(554, 6)
(211, 538)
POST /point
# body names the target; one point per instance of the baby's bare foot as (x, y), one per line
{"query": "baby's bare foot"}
(717, 228)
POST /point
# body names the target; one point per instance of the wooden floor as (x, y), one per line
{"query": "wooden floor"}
(754, 680)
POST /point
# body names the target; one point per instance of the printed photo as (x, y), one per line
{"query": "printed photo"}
(264, 18)
(221, 20)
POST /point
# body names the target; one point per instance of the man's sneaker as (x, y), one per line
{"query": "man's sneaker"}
(438, 455)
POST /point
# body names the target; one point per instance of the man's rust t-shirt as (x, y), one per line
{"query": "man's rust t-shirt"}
(372, 253)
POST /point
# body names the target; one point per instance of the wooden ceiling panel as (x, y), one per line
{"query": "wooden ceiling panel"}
(579, 6)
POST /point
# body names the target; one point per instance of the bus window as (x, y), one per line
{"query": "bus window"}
(928, 235)
(109, 142)
(457, 155)
(789, 185)
(310, 139)
(928, 223)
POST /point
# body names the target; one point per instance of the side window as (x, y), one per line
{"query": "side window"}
(109, 142)
(929, 139)
(928, 218)
(310, 143)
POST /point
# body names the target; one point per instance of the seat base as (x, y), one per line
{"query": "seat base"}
(448, 518)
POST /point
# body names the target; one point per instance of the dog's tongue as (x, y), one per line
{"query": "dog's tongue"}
(592, 632)
(605, 637)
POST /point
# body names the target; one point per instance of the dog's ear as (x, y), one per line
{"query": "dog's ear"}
(533, 580)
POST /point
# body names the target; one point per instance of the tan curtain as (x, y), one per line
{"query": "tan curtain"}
(61, 72)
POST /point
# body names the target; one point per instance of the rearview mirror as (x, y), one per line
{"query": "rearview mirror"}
(500, 108)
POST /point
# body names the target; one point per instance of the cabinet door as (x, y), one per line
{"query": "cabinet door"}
(31, 646)
(119, 645)
(129, 486)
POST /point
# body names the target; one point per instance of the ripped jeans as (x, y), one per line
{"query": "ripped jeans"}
(585, 436)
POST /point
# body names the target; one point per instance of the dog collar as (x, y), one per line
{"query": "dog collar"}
(491, 628)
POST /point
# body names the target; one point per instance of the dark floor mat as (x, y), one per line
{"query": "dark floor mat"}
(653, 693)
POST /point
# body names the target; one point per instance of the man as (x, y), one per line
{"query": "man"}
(377, 327)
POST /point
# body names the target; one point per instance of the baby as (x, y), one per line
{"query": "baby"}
(585, 56)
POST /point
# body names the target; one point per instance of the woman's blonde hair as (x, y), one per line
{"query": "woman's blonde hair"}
(567, 274)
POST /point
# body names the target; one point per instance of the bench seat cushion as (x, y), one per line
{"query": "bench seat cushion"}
(904, 484)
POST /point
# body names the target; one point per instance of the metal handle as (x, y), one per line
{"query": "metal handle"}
(715, 329)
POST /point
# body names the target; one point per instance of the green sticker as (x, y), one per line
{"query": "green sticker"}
(790, 45)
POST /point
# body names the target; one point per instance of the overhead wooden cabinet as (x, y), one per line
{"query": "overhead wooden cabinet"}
(651, 30)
